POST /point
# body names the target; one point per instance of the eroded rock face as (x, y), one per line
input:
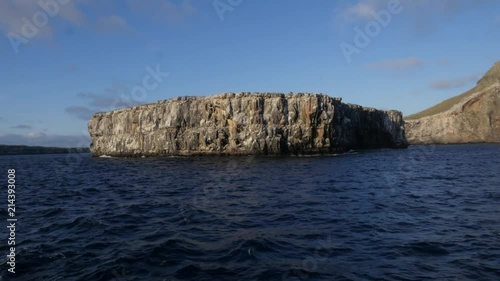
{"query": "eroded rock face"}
(245, 123)
(475, 119)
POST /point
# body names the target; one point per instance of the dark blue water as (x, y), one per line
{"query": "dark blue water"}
(429, 212)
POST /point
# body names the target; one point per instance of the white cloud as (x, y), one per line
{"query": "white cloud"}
(424, 14)
(14, 13)
(112, 24)
(359, 11)
(396, 64)
(446, 84)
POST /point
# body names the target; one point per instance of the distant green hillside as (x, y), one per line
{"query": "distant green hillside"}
(23, 149)
(492, 76)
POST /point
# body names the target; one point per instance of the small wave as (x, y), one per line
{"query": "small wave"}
(175, 248)
(83, 224)
(198, 272)
(91, 189)
(426, 248)
(51, 212)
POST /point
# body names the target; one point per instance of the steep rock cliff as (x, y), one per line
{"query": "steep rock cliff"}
(473, 117)
(244, 123)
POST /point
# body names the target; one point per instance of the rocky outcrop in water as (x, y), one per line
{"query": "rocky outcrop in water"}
(473, 117)
(244, 123)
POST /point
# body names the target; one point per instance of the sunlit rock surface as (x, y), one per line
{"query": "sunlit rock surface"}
(473, 117)
(244, 123)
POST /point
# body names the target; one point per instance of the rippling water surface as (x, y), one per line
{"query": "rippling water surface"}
(427, 212)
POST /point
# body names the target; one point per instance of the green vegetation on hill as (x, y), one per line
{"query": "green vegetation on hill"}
(492, 76)
(442, 106)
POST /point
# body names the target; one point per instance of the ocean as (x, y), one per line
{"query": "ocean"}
(426, 212)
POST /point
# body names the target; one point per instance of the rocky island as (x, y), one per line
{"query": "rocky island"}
(472, 117)
(244, 123)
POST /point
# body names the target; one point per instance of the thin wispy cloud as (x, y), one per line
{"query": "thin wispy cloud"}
(80, 112)
(446, 84)
(15, 13)
(443, 62)
(424, 13)
(117, 96)
(360, 11)
(112, 24)
(396, 64)
(163, 10)
(22, 127)
(102, 101)
(73, 68)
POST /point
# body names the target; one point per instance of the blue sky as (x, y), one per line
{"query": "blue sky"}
(63, 60)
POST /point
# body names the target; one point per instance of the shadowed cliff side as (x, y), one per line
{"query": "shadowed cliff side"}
(472, 117)
(245, 123)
